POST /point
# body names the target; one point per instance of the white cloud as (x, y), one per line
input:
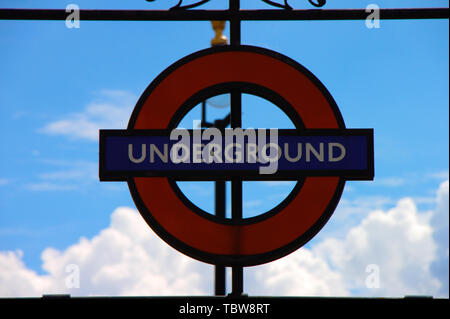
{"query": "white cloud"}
(48, 186)
(72, 170)
(361, 205)
(400, 241)
(302, 273)
(390, 181)
(127, 258)
(409, 179)
(16, 279)
(441, 175)
(440, 222)
(69, 175)
(111, 110)
(252, 203)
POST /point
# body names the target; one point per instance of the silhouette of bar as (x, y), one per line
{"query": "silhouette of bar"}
(207, 15)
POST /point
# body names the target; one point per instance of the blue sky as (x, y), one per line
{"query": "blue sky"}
(58, 86)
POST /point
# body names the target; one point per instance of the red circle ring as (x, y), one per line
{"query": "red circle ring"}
(248, 243)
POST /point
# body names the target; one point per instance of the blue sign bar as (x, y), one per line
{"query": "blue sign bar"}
(250, 154)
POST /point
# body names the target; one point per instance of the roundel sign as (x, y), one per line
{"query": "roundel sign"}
(320, 154)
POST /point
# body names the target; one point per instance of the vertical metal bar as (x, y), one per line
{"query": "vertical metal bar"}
(236, 192)
(203, 113)
(220, 208)
(236, 121)
(220, 198)
(220, 186)
(237, 280)
(235, 23)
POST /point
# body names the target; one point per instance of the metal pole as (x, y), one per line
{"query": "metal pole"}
(236, 121)
(220, 207)
(235, 16)
(220, 185)
(236, 194)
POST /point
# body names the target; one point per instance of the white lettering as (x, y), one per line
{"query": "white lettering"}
(238, 154)
(175, 155)
(310, 149)
(73, 19)
(143, 154)
(73, 278)
(191, 309)
(373, 277)
(331, 158)
(182, 145)
(251, 153)
(212, 151)
(273, 140)
(197, 153)
(299, 153)
(373, 19)
(164, 157)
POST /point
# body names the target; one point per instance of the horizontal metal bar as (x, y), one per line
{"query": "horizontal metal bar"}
(206, 15)
(344, 14)
(115, 15)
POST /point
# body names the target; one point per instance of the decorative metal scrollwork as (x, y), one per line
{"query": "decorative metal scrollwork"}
(179, 6)
(319, 3)
(285, 6)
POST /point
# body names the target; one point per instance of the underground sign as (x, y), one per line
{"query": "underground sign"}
(320, 154)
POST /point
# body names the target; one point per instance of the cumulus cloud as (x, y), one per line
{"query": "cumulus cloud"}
(302, 273)
(17, 280)
(111, 110)
(440, 222)
(401, 244)
(404, 248)
(126, 258)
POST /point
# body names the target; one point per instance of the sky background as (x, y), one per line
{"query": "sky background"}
(59, 86)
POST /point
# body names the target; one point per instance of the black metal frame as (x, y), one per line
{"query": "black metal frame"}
(235, 16)
(229, 15)
(236, 88)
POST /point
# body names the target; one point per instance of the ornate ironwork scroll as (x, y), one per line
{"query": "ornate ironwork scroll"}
(286, 6)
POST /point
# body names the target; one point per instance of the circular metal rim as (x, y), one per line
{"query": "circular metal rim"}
(252, 89)
(230, 259)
